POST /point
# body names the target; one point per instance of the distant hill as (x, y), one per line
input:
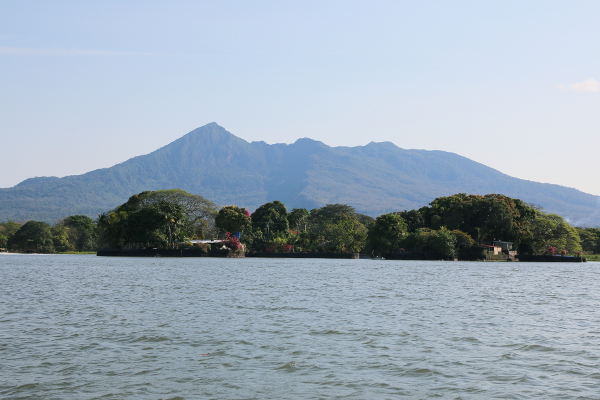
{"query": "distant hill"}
(375, 179)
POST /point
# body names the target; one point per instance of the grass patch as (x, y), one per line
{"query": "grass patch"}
(592, 257)
(77, 252)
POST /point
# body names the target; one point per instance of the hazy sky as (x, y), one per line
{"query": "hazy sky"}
(511, 84)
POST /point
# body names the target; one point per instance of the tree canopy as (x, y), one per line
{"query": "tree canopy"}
(233, 219)
(162, 218)
(447, 227)
(345, 234)
(7, 230)
(551, 230)
(271, 218)
(33, 237)
(493, 216)
(387, 234)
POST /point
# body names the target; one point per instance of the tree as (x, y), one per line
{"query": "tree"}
(463, 240)
(162, 224)
(440, 243)
(443, 211)
(298, 219)
(233, 219)
(419, 240)
(271, 218)
(33, 237)
(331, 211)
(551, 230)
(482, 217)
(387, 234)
(366, 220)
(114, 228)
(345, 234)
(443, 242)
(82, 232)
(320, 217)
(9, 228)
(60, 238)
(590, 239)
(162, 218)
(199, 211)
(414, 218)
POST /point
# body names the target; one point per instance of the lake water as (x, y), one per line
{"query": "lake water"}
(86, 327)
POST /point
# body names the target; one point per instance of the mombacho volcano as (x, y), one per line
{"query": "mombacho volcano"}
(376, 178)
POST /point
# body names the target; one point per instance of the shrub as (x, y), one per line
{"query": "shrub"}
(232, 242)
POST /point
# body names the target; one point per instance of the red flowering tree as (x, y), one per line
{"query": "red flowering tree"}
(231, 241)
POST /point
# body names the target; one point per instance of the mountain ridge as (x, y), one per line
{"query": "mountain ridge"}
(376, 178)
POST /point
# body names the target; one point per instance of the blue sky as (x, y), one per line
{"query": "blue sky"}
(511, 84)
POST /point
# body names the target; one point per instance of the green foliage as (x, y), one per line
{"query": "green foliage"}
(271, 219)
(387, 234)
(36, 236)
(491, 217)
(418, 241)
(7, 230)
(330, 211)
(551, 230)
(298, 219)
(366, 220)
(441, 243)
(3, 241)
(278, 245)
(233, 219)
(33, 237)
(488, 217)
(334, 227)
(320, 217)
(590, 240)
(114, 228)
(60, 238)
(198, 211)
(463, 239)
(201, 247)
(345, 234)
(162, 224)
(414, 218)
(160, 219)
(82, 232)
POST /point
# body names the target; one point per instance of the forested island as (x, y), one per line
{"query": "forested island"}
(459, 226)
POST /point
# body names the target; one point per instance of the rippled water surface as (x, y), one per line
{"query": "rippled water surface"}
(86, 327)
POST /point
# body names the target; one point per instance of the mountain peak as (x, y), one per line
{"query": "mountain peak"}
(210, 161)
(309, 143)
(384, 145)
(211, 133)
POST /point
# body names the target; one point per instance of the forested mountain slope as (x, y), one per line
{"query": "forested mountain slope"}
(375, 179)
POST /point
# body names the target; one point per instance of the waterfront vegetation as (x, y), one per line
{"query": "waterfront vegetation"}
(449, 227)
(76, 233)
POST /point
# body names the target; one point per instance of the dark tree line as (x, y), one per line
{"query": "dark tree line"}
(447, 227)
(74, 233)
(161, 219)
(271, 228)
